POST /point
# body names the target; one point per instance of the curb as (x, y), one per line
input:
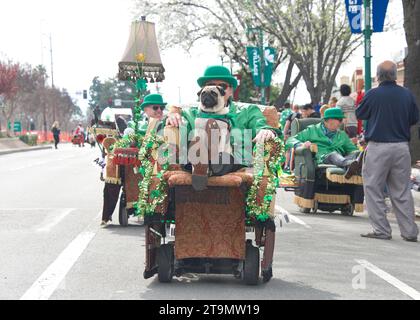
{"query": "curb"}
(10, 151)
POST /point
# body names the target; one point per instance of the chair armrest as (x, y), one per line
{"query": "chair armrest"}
(304, 163)
(300, 151)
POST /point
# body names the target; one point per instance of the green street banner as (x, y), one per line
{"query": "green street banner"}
(254, 59)
(255, 64)
(269, 58)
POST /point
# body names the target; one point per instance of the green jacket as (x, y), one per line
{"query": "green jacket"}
(284, 115)
(340, 143)
(240, 117)
(143, 125)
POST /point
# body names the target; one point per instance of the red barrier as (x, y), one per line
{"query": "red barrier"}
(64, 136)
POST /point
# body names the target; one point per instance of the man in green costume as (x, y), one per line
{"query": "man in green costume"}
(334, 146)
(240, 118)
(153, 107)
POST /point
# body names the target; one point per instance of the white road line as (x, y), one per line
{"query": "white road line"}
(47, 283)
(390, 279)
(55, 221)
(292, 217)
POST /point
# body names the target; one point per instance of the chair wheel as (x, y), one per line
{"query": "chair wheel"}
(123, 212)
(165, 261)
(252, 265)
(267, 274)
(305, 210)
(348, 210)
(315, 208)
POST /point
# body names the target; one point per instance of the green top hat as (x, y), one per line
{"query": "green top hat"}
(153, 100)
(217, 73)
(334, 113)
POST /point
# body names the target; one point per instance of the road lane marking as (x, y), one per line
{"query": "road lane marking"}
(293, 217)
(47, 227)
(47, 283)
(414, 294)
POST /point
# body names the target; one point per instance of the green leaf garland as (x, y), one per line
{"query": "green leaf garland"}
(260, 210)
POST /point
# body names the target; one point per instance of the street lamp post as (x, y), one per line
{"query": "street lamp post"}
(368, 44)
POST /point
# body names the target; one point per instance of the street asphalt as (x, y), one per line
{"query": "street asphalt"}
(53, 247)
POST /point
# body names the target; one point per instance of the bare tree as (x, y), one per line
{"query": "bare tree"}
(226, 22)
(412, 70)
(315, 34)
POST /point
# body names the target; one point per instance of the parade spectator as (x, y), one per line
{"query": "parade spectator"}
(285, 114)
(308, 111)
(334, 146)
(346, 103)
(56, 133)
(80, 131)
(415, 180)
(333, 102)
(359, 98)
(323, 109)
(296, 114)
(390, 110)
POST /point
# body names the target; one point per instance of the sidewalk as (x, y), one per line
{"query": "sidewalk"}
(14, 145)
(16, 150)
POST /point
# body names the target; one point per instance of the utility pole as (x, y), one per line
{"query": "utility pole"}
(262, 57)
(367, 32)
(52, 76)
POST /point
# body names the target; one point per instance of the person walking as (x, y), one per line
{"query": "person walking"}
(346, 103)
(390, 110)
(56, 133)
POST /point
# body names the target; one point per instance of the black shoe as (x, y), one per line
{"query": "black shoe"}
(410, 239)
(352, 169)
(374, 235)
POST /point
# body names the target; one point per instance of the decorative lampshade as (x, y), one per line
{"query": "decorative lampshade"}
(142, 54)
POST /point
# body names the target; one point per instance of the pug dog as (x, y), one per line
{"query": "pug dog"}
(212, 100)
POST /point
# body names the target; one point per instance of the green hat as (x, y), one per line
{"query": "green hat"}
(152, 100)
(217, 73)
(334, 113)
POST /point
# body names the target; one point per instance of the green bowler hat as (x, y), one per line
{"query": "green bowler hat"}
(152, 100)
(334, 113)
(217, 73)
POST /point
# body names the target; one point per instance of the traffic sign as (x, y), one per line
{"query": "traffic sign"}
(17, 126)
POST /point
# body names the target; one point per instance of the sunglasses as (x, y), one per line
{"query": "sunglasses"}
(222, 85)
(156, 108)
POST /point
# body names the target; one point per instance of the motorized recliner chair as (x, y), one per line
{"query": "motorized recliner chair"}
(323, 187)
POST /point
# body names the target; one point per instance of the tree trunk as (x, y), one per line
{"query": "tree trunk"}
(412, 70)
(287, 86)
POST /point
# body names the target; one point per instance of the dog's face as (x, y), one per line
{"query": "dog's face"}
(212, 100)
